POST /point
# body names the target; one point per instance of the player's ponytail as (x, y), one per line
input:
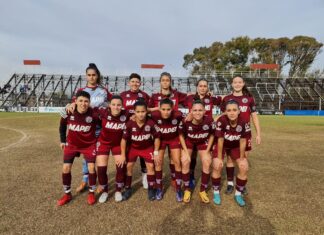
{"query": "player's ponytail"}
(94, 67)
(246, 91)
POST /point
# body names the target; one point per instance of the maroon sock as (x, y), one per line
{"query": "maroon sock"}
(158, 177)
(230, 173)
(151, 181)
(172, 171)
(178, 180)
(125, 172)
(193, 164)
(66, 179)
(128, 183)
(119, 178)
(216, 183)
(92, 182)
(185, 179)
(204, 181)
(103, 178)
(240, 184)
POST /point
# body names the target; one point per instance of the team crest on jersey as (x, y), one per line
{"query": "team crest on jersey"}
(109, 117)
(127, 95)
(159, 121)
(134, 129)
(205, 127)
(238, 128)
(159, 97)
(244, 100)
(206, 101)
(72, 118)
(190, 128)
(147, 128)
(140, 95)
(174, 122)
(122, 118)
(227, 127)
(88, 119)
(219, 123)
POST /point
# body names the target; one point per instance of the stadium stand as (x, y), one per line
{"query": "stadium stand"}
(271, 93)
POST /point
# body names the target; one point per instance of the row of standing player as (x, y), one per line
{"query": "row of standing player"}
(100, 96)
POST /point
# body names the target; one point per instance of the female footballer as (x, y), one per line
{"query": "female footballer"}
(197, 133)
(231, 132)
(247, 106)
(140, 139)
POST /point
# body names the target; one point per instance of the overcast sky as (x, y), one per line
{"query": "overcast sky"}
(120, 35)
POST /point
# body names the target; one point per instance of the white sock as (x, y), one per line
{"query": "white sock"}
(238, 193)
(230, 183)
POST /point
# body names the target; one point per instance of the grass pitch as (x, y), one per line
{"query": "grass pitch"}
(286, 185)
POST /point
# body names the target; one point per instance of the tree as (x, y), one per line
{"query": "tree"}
(302, 51)
(238, 53)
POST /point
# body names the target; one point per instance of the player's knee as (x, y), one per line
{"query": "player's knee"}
(91, 168)
(185, 162)
(66, 168)
(244, 166)
(150, 168)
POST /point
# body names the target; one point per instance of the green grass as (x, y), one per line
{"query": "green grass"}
(286, 185)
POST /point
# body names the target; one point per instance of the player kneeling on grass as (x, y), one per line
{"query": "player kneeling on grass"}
(231, 132)
(81, 139)
(142, 140)
(168, 122)
(113, 122)
(197, 133)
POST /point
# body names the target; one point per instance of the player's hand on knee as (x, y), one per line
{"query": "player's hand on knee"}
(218, 164)
(243, 164)
(185, 158)
(120, 160)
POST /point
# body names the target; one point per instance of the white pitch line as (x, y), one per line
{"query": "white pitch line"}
(22, 139)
